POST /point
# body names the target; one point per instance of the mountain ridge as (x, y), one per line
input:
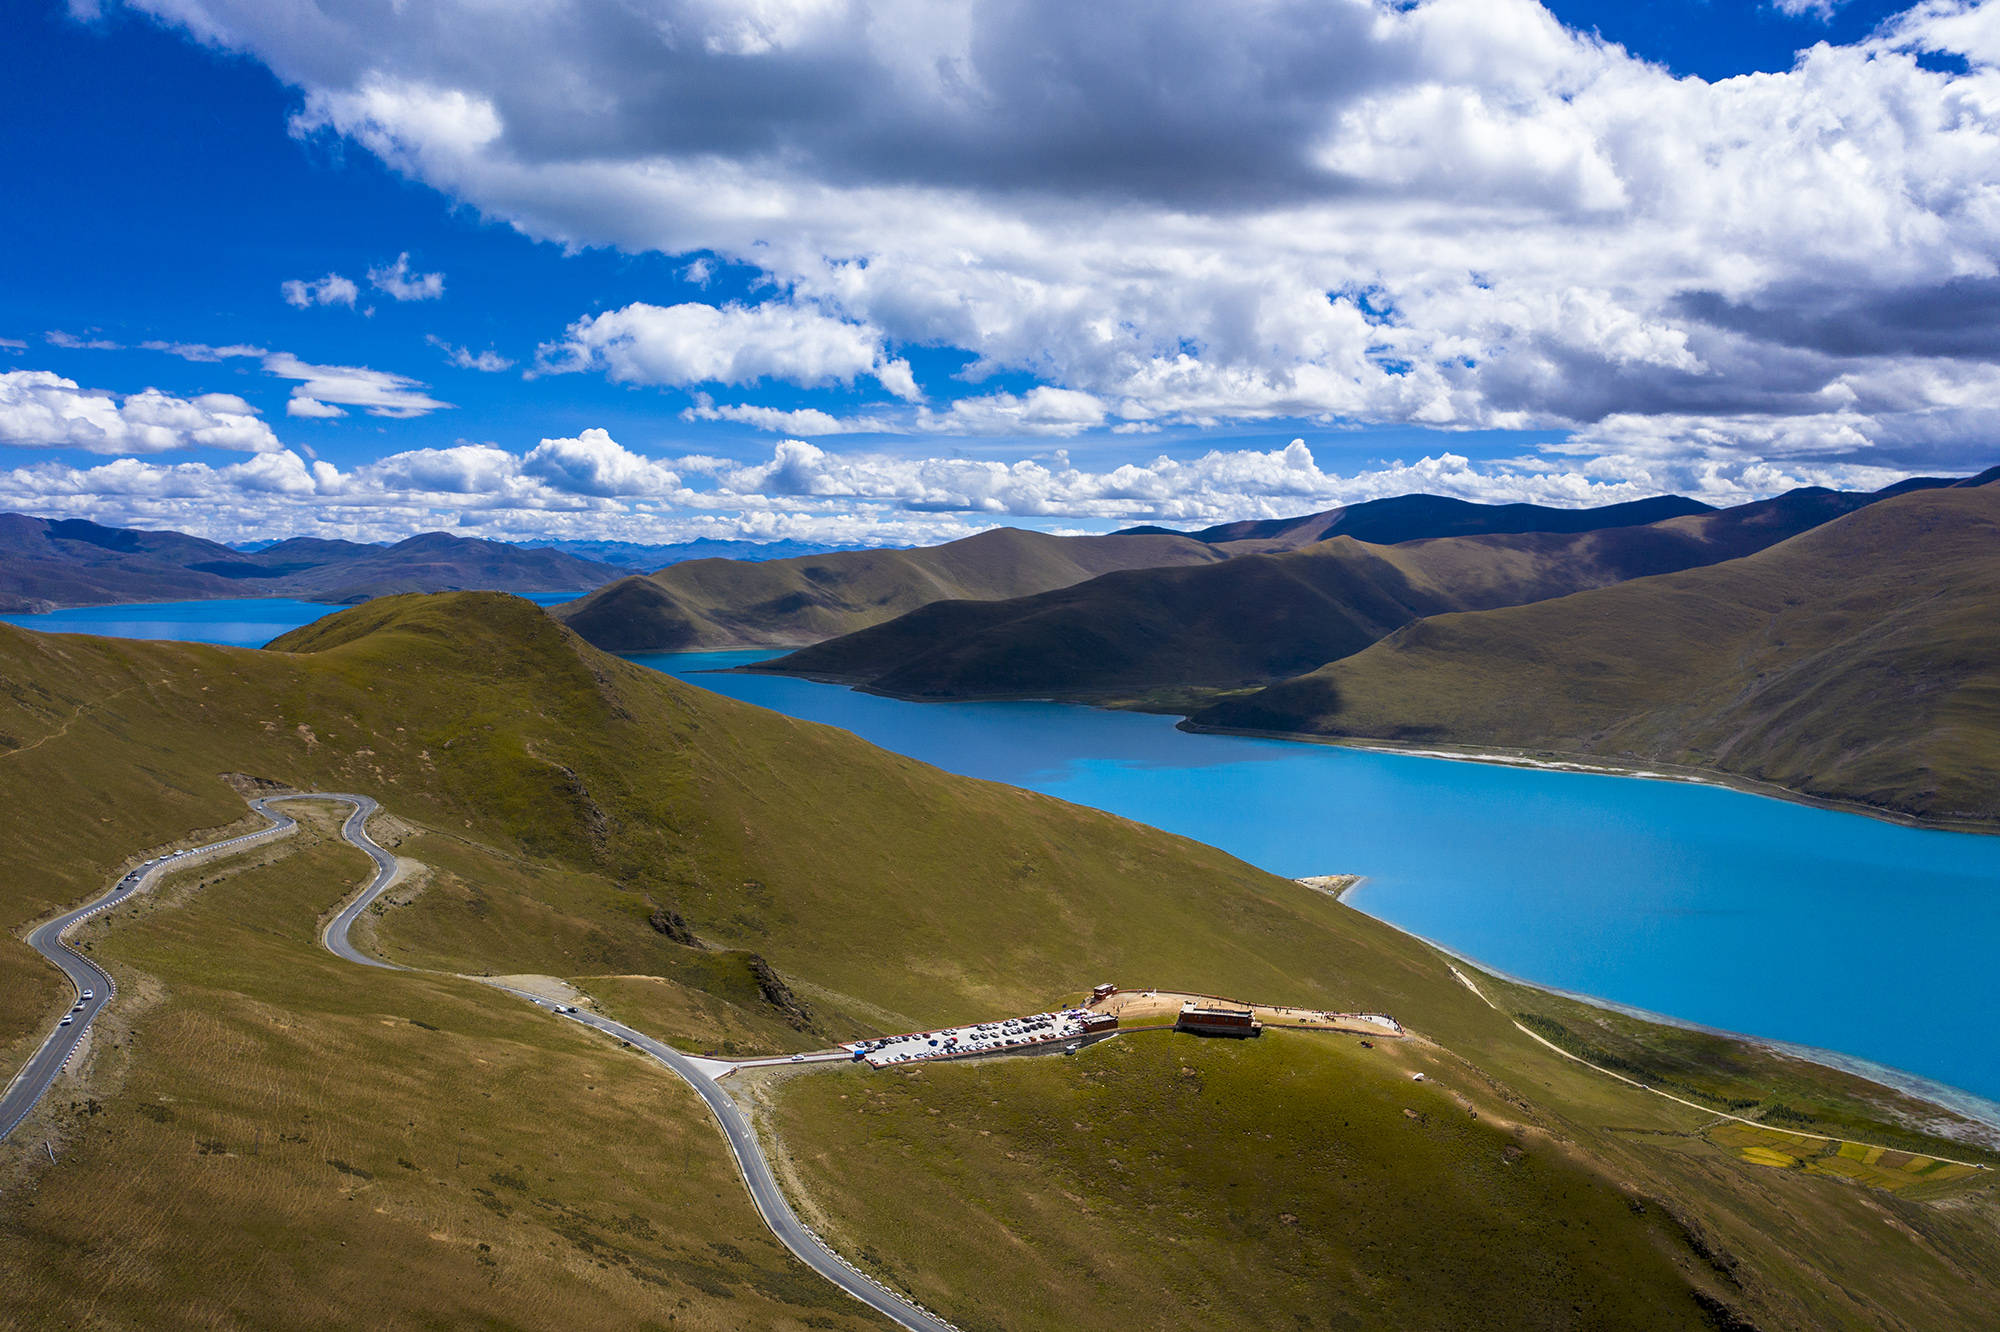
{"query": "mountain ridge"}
(49, 563)
(1853, 662)
(1264, 616)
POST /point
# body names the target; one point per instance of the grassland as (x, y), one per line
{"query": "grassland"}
(1277, 1182)
(1269, 1182)
(268, 1142)
(1856, 662)
(560, 801)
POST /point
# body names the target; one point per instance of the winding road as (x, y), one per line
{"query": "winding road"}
(34, 1080)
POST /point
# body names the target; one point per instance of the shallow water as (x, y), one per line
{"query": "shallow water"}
(1735, 911)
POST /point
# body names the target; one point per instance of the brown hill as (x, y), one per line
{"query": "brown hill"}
(1258, 618)
(1858, 661)
(736, 603)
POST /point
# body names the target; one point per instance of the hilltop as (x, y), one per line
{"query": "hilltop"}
(736, 603)
(46, 563)
(1263, 617)
(1388, 522)
(673, 853)
(796, 602)
(1855, 662)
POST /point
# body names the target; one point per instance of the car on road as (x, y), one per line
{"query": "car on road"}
(90, 994)
(67, 1019)
(798, 1059)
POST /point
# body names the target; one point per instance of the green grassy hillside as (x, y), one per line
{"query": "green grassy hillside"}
(740, 603)
(1857, 662)
(1257, 618)
(280, 1140)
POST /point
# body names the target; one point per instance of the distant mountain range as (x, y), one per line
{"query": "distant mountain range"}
(732, 603)
(796, 602)
(1386, 522)
(1257, 617)
(47, 563)
(1859, 661)
(640, 558)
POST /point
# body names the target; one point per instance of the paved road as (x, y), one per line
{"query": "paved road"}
(28, 1089)
(764, 1191)
(354, 830)
(36, 1076)
(25, 1092)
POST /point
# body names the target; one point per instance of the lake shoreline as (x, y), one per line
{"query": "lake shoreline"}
(1548, 760)
(1953, 1100)
(1500, 756)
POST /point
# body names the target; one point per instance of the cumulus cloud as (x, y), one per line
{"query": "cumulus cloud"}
(377, 392)
(397, 282)
(488, 361)
(39, 409)
(595, 464)
(591, 485)
(1453, 213)
(692, 343)
(333, 289)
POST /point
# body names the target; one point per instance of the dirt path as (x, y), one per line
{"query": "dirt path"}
(1466, 981)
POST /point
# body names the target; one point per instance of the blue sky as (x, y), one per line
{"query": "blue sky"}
(851, 271)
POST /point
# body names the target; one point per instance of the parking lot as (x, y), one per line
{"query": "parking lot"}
(981, 1038)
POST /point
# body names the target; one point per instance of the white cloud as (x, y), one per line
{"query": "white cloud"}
(1450, 212)
(398, 283)
(39, 409)
(13, 344)
(1819, 9)
(378, 392)
(1039, 411)
(202, 352)
(595, 464)
(488, 361)
(333, 289)
(782, 421)
(589, 485)
(311, 409)
(55, 337)
(692, 344)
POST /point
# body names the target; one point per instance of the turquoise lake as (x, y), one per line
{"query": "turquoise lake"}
(245, 622)
(1754, 915)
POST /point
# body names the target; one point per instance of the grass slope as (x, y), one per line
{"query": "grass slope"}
(1857, 661)
(269, 1142)
(740, 603)
(1259, 618)
(563, 801)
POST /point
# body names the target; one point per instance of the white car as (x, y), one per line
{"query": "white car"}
(90, 994)
(67, 1019)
